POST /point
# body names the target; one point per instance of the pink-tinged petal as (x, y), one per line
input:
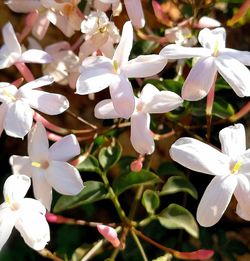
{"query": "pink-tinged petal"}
(144, 66)
(35, 56)
(24, 6)
(21, 165)
(108, 48)
(155, 101)
(213, 39)
(41, 26)
(216, 199)
(42, 189)
(208, 22)
(33, 225)
(123, 49)
(200, 80)
(64, 178)
(101, 5)
(10, 39)
(16, 187)
(109, 234)
(7, 92)
(233, 141)
(135, 12)
(96, 74)
(3, 109)
(105, 110)
(65, 149)
(122, 96)
(141, 136)
(200, 157)
(38, 145)
(241, 56)
(18, 120)
(42, 81)
(175, 51)
(49, 103)
(235, 73)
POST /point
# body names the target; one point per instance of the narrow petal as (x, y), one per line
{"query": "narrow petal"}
(235, 73)
(241, 56)
(233, 141)
(10, 39)
(7, 92)
(35, 56)
(49, 103)
(155, 101)
(65, 149)
(124, 47)
(245, 162)
(199, 80)
(175, 51)
(26, 6)
(42, 81)
(64, 178)
(141, 136)
(144, 66)
(200, 157)
(105, 110)
(18, 120)
(216, 199)
(16, 187)
(21, 165)
(3, 110)
(96, 75)
(135, 12)
(41, 26)
(122, 96)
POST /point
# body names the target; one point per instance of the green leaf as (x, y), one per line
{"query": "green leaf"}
(93, 191)
(132, 179)
(150, 200)
(166, 257)
(179, 184)
(176, 216)
(108, 156)
(222, 109)
(169, 169)
(90, 164)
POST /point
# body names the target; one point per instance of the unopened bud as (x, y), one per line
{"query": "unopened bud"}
(109, 234)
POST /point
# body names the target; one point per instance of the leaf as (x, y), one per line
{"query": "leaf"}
(90, 164)
(176, 216)
(132, 179)
(93, 191)
(150, 200)
(168, 169)
(108, 156)
(179, 184)
(222, 109)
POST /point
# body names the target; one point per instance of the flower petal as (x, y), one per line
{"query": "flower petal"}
(64, 178)
(21, 165)
(124, 47)
(199, 80)
(233, 141)
(144, 66)
(96, 75)
(26, 6)
(245, 163)
(199, 156)
(35, 56)
(41, 26)
(216, 199)
(122, 96)
(141, 136)
(18, 120)
(155, 101)
(37, 83)
(10, 39)
(241, 56)
(7, 92)
(105, 110)
(65, 149)
(3, 109)
(135, 12)
(235, 73)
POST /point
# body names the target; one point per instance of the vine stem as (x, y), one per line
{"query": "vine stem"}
(139, 245)
(47, 254)
(25, 72)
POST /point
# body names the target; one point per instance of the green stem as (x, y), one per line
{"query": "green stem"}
(139, 245)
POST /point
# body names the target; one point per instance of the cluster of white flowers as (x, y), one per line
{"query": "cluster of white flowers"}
(98, 65)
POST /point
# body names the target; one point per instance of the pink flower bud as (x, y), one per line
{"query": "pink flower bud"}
(109, 234)
(136, 165)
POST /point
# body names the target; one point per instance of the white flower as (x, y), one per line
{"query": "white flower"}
(230, 167)
(214, 57)
(11, 53)
(151, 101)
(48, 167)
(16, 113)
(26, 214)
(97, 73)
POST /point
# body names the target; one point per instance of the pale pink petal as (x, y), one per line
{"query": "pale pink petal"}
(41, 26)
(216, 199)
(35, 56)
(141, 136)
(241, 56)
(135, 12)
(37, 83)
(65, 149)
(108, 49)
(155, 101)
(21, 165)
(144, 66)
(123, 49)
(18, 119)
(200, 157)
(109, 234)
(208, 22)
(101, 5)
(122, 96)
(235, 73)
(24, 6)
(96, 74)
(105, 110)
(10, 39)
(200, 80)
(3, 109)
(64, 178)
(233, 141)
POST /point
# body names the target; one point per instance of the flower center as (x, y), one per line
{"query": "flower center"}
(9, 95)
(216, 49)
(235, 168)
(13, 205)
(116, 66)
(42, 165)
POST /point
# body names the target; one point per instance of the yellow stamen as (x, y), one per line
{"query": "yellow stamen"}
(36, 164)
(7, 200)
(236, 167)
(216, 48)
(8, 94)
(116, 67)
